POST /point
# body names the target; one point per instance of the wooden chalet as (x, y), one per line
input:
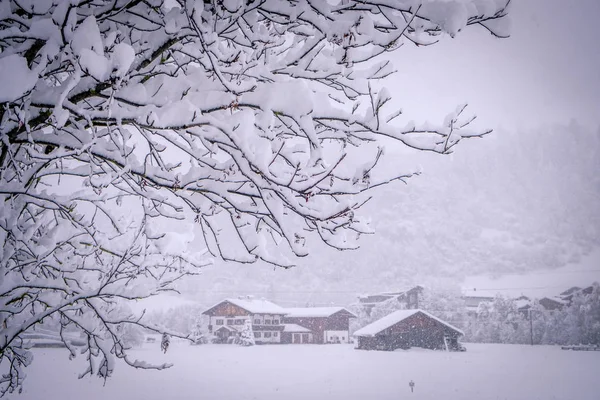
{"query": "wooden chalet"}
(324, 325)
(404, 329)
(274, 324)
(227, 318)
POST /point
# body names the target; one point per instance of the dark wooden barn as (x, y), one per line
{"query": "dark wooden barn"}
(404, 329)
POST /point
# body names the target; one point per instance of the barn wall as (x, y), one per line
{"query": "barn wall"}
(288, 337)
(316, 325)
(336, 322)
(415, 331)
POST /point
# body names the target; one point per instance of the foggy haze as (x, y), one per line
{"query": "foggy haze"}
(523, 200)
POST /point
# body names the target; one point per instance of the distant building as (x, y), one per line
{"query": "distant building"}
(565, 298)
(568, 295)
(227, 318)
(408, 298)
(326, 324)
(274, 324)
(404, 329)
(570, 291)
(472, 302)
(552, 303)
(523, 304)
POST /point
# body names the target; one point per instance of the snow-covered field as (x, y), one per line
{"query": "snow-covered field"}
(327, 372)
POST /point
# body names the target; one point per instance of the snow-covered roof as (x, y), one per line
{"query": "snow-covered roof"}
(293, 328)
(521, 303)
(393, 319)
(254, 306)
(392, 293)
(570, 291)
(314, 312)
(556, 299)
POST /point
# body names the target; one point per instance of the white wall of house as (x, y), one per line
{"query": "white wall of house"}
(270, 319)
(273, 337)
(237, 321)
(333, 336)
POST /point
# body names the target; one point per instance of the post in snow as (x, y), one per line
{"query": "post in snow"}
(164, 343)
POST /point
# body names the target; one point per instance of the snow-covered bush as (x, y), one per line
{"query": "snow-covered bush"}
(253, 122)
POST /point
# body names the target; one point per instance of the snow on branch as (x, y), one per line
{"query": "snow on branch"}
(235, 118)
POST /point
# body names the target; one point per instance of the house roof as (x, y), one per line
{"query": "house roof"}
(556, 300)
(379, 297)
(293, 328)
(315, 312)
(254, 306)
(568, 294)
(474, 301)
(522, 303)
(395, 317)
(570, 291)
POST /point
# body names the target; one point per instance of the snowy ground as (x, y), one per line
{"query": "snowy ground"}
(327, 372)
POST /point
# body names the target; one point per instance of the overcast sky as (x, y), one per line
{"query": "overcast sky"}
(547, 71)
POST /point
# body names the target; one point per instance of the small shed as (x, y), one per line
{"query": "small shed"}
(404, 329)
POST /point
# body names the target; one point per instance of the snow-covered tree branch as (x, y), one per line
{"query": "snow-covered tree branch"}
(254, 119)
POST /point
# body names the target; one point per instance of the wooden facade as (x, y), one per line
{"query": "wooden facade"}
(274, 324)
(296, 334)
(417, 330)
(334, 328)
(227, 319)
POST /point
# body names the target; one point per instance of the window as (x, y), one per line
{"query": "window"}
(257, 321)
(275, 322)
(275, 334)
(256, 334)
(267, 322)
(219, 322)
(239, 322)
(229, 322)
(267, 334)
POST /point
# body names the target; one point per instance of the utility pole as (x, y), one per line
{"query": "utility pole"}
(530, 326)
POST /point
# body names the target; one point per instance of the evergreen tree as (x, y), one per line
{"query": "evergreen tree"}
(247, 335)
(197, 332)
